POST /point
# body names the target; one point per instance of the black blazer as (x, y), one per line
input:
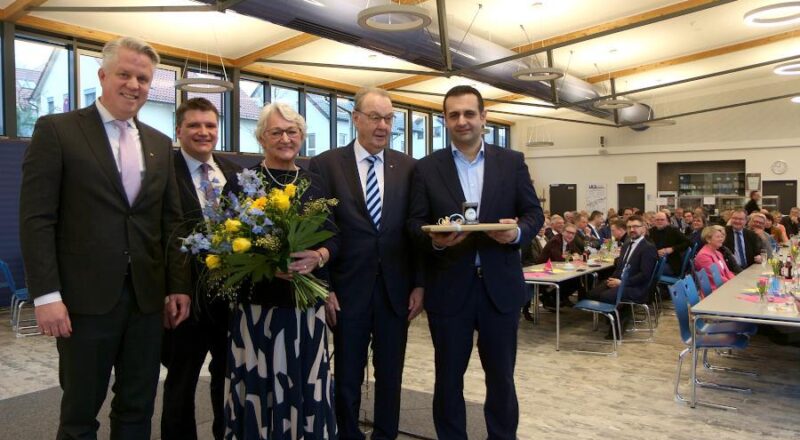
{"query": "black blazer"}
(359, 253)
(552, 250)
(78, 231)
(672, 237)
(642, 261)
(507, 193)
(752, 245)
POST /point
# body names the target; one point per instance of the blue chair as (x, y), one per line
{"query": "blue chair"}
(685, 267)
(19, 297)
(693, 297)
(651, 295)
(703, 281)
(716, 275)
(722, 341)
(609, 311)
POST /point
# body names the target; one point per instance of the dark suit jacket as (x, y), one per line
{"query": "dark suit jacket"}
(190, 204)
(358, 252)
(642, 261)
(752, 244)
(552, 251)
(672, 237)
(77, 229)
(507, 193)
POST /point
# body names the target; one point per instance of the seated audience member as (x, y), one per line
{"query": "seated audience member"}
(669, 241)
(676, 218)
(530, 255)
(752, 204)
(700, 211)
(648, 218)
(627, 212)
(696, 235)
(618, 231)
(556, 226)
(757, 223)
(640, 255)
(595, 226)
(743, 243)
(775, 229)
(558, 249)
(569, 217)
(711, 254)
(791, 222)
(686, 224)
(584, 235)
(610, 213)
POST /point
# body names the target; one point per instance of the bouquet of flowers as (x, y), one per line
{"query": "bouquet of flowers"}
(247, 238)
(761, 287)
(794, 251)
(608, 244)
(776, 264)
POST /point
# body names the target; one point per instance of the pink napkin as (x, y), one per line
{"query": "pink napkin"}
(548, 267)
(532, 275)
(773, 299)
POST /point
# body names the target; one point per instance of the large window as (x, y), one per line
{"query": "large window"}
(419, 134)
(345, 130)
(496, 135)
(251, 101)
(286, 95)
(42, 82)
(218, 99)
(398, 141)
(159, 110)
(439, 132)
(318, 124)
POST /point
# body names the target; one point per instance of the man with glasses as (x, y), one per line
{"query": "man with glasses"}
(640, 255)
(744, 243)
(375, 287)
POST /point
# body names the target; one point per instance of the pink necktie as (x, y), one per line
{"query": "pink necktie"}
(206, 186)
(128, 162)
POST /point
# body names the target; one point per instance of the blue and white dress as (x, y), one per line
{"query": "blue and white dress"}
(279, 383)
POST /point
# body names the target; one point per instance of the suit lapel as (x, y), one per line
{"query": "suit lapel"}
(187, 189)
(350, 174)
(447, 168)
(492, 174)
(97, 139)
(230, 173)
(391, 186)
(150, 160)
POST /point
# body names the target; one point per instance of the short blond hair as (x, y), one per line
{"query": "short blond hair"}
(286, 112)
(709, 231)
(111, 50)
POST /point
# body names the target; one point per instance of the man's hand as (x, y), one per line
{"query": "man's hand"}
(415, 302)
(613, 282)
(331, 307)
(447, 239)
(177, 309)
(53, 319)
(504, 237)
(757, 258)
(664, 251)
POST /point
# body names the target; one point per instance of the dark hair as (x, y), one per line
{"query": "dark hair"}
(753, 192)
(199, 104)
(619, 223)
(770, 217)
(461, 91)
(594, 215)
(635, 218)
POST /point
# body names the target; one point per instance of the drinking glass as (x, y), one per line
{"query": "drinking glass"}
(763, 260)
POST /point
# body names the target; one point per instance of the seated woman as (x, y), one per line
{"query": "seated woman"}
(557, 249)
(697, 226)
(709, 254)
(775, 228)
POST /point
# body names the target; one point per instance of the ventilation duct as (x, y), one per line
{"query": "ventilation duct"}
(337, 20)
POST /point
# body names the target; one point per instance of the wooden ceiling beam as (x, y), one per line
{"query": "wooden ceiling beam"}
(19, 9)
(697, 56)
(404, 82)
(276, 49)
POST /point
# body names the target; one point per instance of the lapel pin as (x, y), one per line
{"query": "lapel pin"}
(152, 155)
(391, 166)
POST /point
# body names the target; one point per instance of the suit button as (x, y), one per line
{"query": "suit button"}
(126, 253)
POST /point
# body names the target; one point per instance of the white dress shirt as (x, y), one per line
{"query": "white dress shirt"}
(363, 168)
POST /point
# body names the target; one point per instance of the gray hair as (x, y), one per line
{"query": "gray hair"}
(111, 50)
(286, 112)
(361, 94)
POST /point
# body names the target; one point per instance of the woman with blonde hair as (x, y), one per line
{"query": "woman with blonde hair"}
(710, 254)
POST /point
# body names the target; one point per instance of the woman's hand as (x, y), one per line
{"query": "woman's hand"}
(304, 261)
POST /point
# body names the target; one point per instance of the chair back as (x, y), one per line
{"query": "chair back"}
(687, 258)
(692, 295)
(716, 275)
(7, 278)
(703, 281)
(623, 283)
(658, 270)
(678, 293)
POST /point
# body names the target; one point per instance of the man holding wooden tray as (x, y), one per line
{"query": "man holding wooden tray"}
(473, 279)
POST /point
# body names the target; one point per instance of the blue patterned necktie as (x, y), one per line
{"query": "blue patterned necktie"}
(373, 193)
(740, 251)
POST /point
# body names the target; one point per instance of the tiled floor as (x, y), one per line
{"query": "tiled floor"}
(562, 395)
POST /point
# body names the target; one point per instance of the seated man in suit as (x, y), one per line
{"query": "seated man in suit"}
(744, 243)
(201, 176)
(595, 227)
(669, 241)
(641, 256)
(556, 226)
(558, 248)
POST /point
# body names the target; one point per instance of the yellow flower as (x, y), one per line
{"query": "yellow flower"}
(290, 190)
(241, 245)
(232, 225)
(281, 201)
(213, 261)
(259, 203)
(216, 239)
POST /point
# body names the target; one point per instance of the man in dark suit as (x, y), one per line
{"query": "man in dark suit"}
(744, 243)
(556, 226)
(201, 177)
(641, 256)
(375, 286)
(669, 241)
(99, 224)
(474, 281)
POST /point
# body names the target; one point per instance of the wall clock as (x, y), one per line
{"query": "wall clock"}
(779, 167)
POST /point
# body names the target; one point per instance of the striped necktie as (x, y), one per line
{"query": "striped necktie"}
(373, 193)
(206, 186)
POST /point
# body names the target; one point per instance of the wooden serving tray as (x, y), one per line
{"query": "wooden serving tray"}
(470, 228)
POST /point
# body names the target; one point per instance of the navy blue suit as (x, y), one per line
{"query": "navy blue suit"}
(460, 299)
(372, 273)
(642, 261)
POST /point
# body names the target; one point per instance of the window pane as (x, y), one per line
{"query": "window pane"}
(218, 99)
(419, 135)
(488, 136)
(439, 139)
(42, 82)
(318, 124)
(345, 131)
(287, 95)
(399, 131)
(502, 137)
(251, 101)
(159, 110)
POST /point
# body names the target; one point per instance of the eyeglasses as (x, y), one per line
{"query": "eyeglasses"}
(277, 133)
(376, 118)
(634, 226)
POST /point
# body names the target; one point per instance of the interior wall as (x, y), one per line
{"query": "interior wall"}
(759, 134)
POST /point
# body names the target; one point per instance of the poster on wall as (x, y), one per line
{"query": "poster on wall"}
(596, 197)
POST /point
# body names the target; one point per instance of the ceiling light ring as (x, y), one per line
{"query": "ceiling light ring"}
(538, 74)
(203, 85)
(756, 17)
(790, 68)
(420, 18)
